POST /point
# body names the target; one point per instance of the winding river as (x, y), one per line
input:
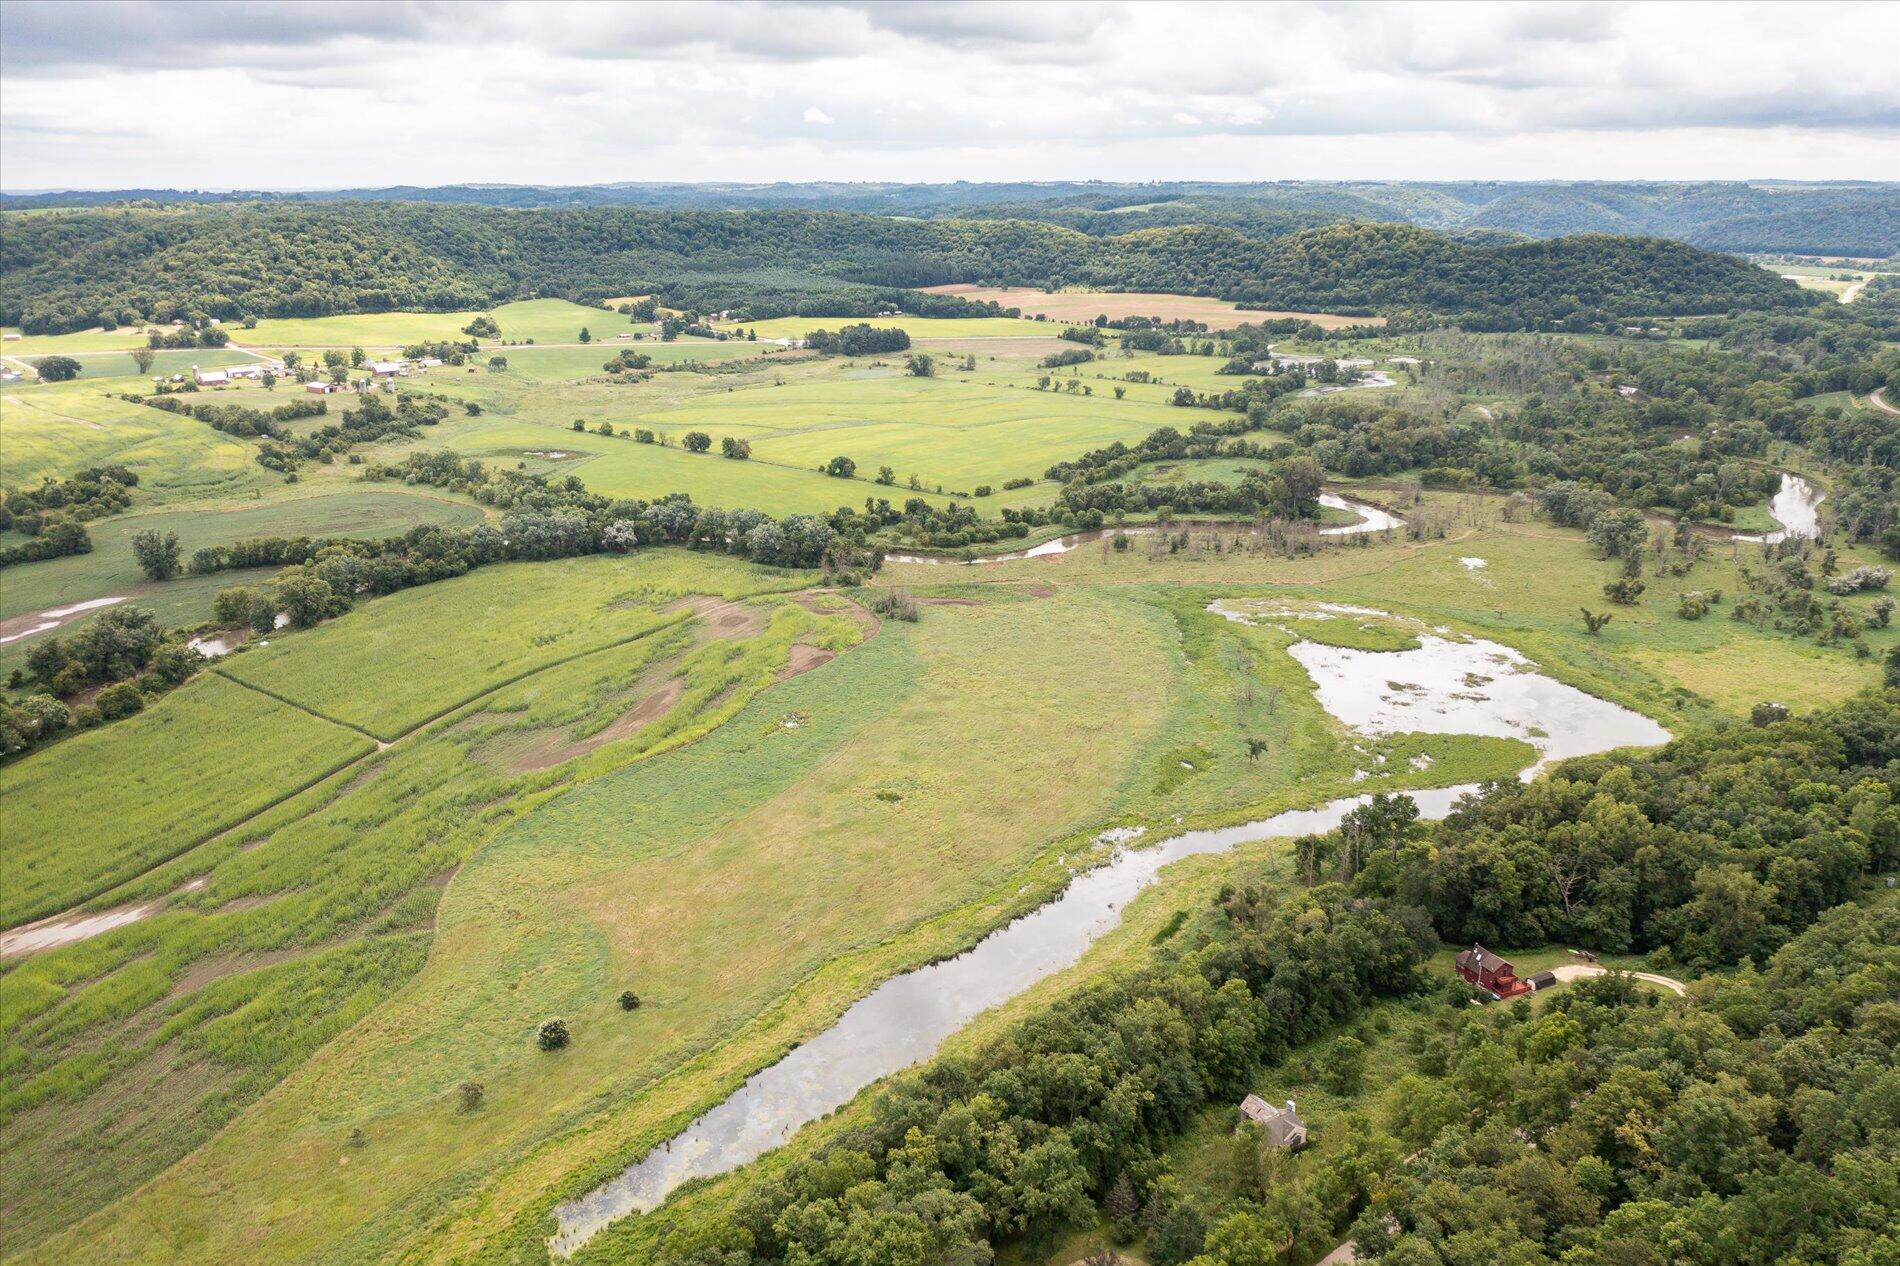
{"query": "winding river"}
(1371, 519)
(1442, 686)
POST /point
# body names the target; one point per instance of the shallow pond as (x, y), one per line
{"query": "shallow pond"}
(1796, 506)
(1444, 686)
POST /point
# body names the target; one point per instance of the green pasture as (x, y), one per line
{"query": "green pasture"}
(950, 431)
(542, 320)
(58, 429)
(79, 341)
(376, 511)
(172, 361)
(96, 809)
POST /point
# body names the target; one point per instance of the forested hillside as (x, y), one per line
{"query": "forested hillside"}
(1827, 219)
(65, 271)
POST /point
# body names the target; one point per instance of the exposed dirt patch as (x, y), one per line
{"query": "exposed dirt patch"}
(803, 659)
(1041, 589)
(237, 905)
(948, 602)
(538, 750)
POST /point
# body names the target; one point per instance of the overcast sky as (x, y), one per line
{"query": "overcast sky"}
(293, 95)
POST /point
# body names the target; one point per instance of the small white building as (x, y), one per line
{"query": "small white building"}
(428, 362)
(210, 377)
(12, 336)
(388, 368)
(10, 375)
(322, 388)
(253, 372)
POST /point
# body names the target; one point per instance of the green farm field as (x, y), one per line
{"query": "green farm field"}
(103, 807)
(111, 569)
(542, 320)
(59, 428)
(371, 671)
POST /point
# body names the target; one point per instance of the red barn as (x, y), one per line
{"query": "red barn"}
(1488, 971)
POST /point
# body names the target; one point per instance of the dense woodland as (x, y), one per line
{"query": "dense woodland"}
(1754, 1124)
(73, 270)
(1845, 218)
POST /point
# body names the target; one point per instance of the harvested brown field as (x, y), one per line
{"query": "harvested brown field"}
(1086, 305)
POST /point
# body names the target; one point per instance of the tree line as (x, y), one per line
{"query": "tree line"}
(130, 265)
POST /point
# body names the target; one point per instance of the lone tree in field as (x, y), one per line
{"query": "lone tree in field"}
(585, 336)
(1256, 747)
(1593, 624)
(143, 358)
(553, 1034)
(629, 1000)
(157, 555)
(920, 365)
(58, 369)
(842, 468)
(696, 442)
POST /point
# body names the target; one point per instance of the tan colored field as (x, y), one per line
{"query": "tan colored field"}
(1086, 305)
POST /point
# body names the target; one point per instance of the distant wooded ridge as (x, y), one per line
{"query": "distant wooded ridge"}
(1832, 218)
(76, 269)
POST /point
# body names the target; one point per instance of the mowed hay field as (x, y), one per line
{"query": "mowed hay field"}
(1083, 306)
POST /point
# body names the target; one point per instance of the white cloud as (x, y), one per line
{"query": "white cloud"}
(287, 95)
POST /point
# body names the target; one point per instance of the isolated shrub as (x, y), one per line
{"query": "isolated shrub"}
(983, 490)
(696, 441)
(1767, 714)
(552, 1035)
(121, 699)
(629, 1000)
(469, 1094)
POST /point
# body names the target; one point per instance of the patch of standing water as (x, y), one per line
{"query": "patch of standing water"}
(1371, 518)
(1470, 687)
(1796, 507)
(904, 1020)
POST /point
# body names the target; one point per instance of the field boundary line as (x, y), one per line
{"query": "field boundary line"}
(79, 907)
(379, 745)
(292, 703)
